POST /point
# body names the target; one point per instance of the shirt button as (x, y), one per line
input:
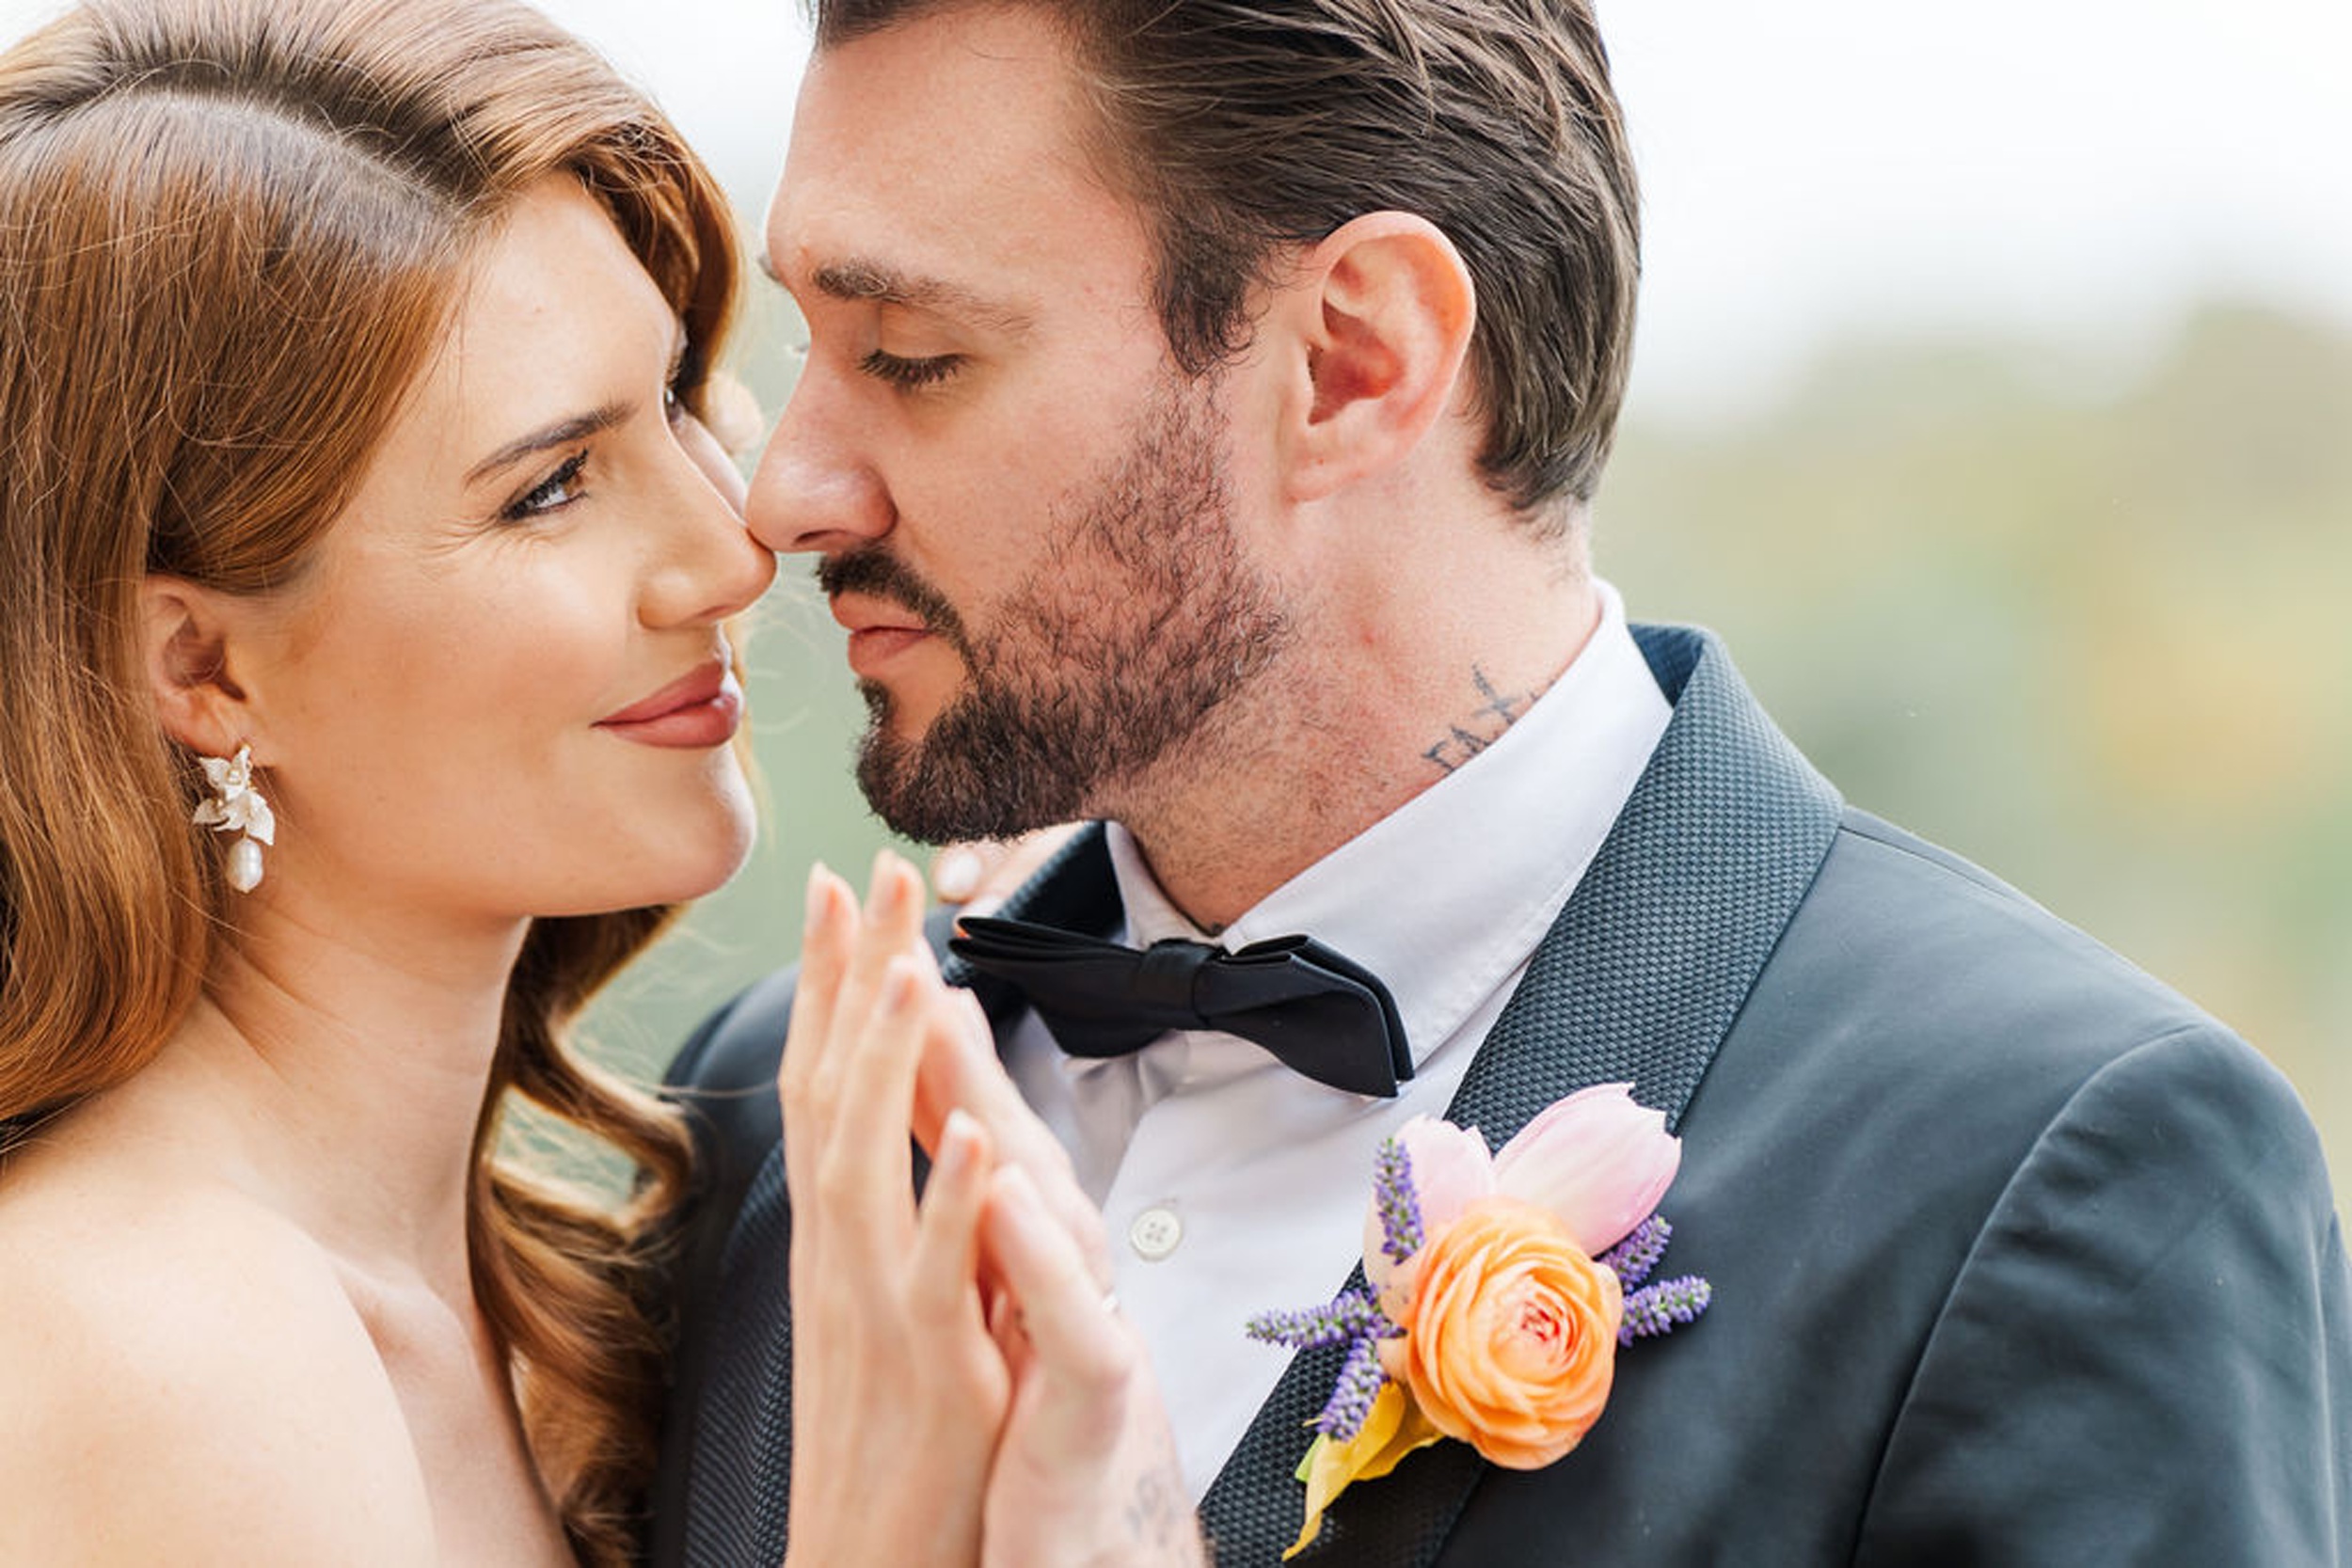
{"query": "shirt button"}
(1156, 1233)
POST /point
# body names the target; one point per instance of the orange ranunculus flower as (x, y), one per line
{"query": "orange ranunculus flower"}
(1510, 1331)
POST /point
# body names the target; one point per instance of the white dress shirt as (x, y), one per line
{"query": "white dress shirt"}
(1231, 1184)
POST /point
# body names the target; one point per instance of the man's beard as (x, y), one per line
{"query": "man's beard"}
(1143, 618)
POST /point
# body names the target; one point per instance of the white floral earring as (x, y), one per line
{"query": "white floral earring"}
(236, 807)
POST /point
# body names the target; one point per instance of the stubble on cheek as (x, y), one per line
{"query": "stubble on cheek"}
(1143, 620)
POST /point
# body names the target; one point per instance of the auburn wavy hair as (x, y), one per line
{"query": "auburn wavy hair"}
(232, 233)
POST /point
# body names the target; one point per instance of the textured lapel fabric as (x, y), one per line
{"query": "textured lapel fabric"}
(1637, 981)
(741, 1466)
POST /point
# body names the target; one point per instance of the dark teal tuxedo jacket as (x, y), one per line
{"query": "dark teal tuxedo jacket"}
(2018, 1258)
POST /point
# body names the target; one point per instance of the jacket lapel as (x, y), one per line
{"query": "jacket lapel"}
(1637, 981)
(1075, 891)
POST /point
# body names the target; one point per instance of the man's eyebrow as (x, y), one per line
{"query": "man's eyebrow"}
(871, 282)
(560, 433)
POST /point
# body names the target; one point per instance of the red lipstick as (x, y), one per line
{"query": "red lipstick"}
(695, 711)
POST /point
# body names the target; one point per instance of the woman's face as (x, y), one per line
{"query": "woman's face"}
(504, 689)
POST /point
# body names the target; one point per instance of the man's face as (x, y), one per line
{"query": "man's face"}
(1032, 524)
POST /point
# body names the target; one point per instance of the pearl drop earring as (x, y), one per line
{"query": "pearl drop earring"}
(236, 807)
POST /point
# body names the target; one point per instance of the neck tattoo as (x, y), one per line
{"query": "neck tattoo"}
(1480, 728)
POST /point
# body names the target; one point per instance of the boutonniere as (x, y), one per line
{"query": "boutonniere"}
(1501, 1288)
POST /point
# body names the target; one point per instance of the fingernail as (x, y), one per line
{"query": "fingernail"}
(888, 889)
(963, 1133)
(819, 896)
(955, 875)
(959, 1142)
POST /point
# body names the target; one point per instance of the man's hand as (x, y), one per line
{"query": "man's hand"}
(1085, 1474)
(976, 877)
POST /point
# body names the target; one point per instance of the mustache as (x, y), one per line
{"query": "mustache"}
(872, 570)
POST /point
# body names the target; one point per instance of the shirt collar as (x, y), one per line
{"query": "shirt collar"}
(1446, 896)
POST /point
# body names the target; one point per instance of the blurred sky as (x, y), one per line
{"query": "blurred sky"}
(2076, 169)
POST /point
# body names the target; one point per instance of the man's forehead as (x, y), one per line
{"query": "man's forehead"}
(946, 165)
(956, 78)
(970, 99)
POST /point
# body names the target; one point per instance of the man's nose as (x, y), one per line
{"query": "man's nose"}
(814, 489)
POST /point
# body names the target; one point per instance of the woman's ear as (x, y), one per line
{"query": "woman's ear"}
(1380, 312)
(185, 638)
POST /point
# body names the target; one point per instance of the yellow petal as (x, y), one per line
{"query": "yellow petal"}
(1413, 1432)
(1393, 1428)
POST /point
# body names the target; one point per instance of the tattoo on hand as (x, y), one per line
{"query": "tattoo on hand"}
(1482, 728)
(1152, 1513)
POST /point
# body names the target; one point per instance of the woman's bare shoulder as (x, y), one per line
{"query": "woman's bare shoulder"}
(187, 1381)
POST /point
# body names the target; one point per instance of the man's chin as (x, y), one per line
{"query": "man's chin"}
(932, 816)
(945, 793)
(891, 711)
(894, 776)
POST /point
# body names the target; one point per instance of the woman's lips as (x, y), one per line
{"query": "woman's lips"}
(702, 709)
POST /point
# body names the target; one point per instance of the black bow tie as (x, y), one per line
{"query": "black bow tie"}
(1322, 1015)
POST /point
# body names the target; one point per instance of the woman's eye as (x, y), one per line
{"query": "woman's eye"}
(552, 494)
(911, 374)
(688, 374)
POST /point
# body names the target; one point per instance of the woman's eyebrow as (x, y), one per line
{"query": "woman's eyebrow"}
(560, 433)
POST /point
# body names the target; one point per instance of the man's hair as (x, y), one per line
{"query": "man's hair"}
(1243, 129)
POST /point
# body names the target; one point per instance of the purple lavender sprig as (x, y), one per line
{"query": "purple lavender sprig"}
(1353, 1319)
(1399, 1201)
(1653, 1309)
(1350, 1316)
(1358, 1383)
(1659, 1308)
(1632, 1258)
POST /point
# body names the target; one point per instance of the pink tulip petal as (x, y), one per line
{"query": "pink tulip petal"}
(1451, 1170)
(1597, 1159)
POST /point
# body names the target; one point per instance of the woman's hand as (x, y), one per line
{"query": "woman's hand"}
(898, 1389)
(961, 1072)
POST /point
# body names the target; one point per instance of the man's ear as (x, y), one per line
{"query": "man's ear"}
(1383, 308)
(185, 639)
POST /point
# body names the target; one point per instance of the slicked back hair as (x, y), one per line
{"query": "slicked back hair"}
(1246, 128)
